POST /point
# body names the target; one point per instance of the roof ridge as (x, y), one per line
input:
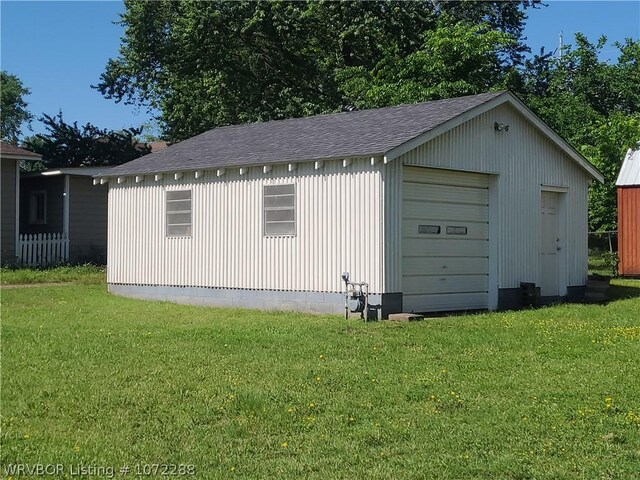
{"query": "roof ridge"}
(330, 114)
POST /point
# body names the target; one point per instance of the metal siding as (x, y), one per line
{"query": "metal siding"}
(392, 184)
(524, 160)
(338, 228)
(630, 171)
(629, 230)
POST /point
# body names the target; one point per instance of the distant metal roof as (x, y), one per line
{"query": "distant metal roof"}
(78, 171)
(630, 171)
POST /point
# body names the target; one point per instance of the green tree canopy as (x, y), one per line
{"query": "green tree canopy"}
(69, 145)
(13, 108)
(205, 64)
(595, 105)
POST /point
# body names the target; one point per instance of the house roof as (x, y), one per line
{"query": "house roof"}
(79, 171)
(387, 132)
(11, 151)
(630, 171)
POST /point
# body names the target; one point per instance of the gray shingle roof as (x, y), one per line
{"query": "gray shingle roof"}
(10, 150)
(334, 136)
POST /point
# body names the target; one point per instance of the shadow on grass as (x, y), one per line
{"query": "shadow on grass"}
(622, 289)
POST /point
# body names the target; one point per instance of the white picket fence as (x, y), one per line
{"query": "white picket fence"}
(42, 249)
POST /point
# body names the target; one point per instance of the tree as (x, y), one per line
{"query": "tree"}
(13, 107)
(595, 105)
(453, 61)
(205, 64)
(68, 145)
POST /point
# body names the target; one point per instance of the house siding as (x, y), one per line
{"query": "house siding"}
(338, 228)
(521, 162)
(87, 220)
(54, 186)
(629, 230)
(8, 171)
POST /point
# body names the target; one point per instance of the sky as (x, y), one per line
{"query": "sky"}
(59, 49)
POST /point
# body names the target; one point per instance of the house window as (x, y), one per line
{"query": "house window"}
(279, 210)
(178, 213)
(38, 207)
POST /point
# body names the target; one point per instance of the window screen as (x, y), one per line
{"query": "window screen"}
(38, 207)
(279, 209)
(179, 213)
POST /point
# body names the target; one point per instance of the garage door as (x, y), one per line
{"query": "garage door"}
(445, 240)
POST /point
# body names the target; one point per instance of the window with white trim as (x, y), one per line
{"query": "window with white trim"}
(38, 207)
(279, 210)
(178, 208)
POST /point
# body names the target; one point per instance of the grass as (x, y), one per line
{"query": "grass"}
(602, 263)
(84, 274)
(94, 379)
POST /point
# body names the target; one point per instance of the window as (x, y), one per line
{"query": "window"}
(279, 210)
(38, 207)
(429, 229)
(456, 230)
(178, 213)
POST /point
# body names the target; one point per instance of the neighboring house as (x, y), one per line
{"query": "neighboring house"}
(445, 205)
(628, 184)
(10, 158)
(61, 206)
(157, 145)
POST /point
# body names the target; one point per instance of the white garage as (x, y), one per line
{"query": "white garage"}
(445, 240)
(439, 206)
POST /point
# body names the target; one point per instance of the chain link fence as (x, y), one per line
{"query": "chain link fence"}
(603, 253)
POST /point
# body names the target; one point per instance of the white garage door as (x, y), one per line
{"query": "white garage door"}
(445, 240)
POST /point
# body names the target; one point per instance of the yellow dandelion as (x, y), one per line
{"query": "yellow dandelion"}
(285, 445)
(317, 379)
(233, 469)
(26, 435)
(322, 357)
(312, 405)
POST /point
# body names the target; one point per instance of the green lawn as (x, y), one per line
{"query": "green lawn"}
(84, 274)
(93, 379)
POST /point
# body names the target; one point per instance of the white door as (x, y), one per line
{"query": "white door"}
(445, 240)
(549, 245)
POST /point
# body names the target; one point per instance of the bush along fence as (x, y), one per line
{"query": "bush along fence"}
(603, 253)
(43, 249)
